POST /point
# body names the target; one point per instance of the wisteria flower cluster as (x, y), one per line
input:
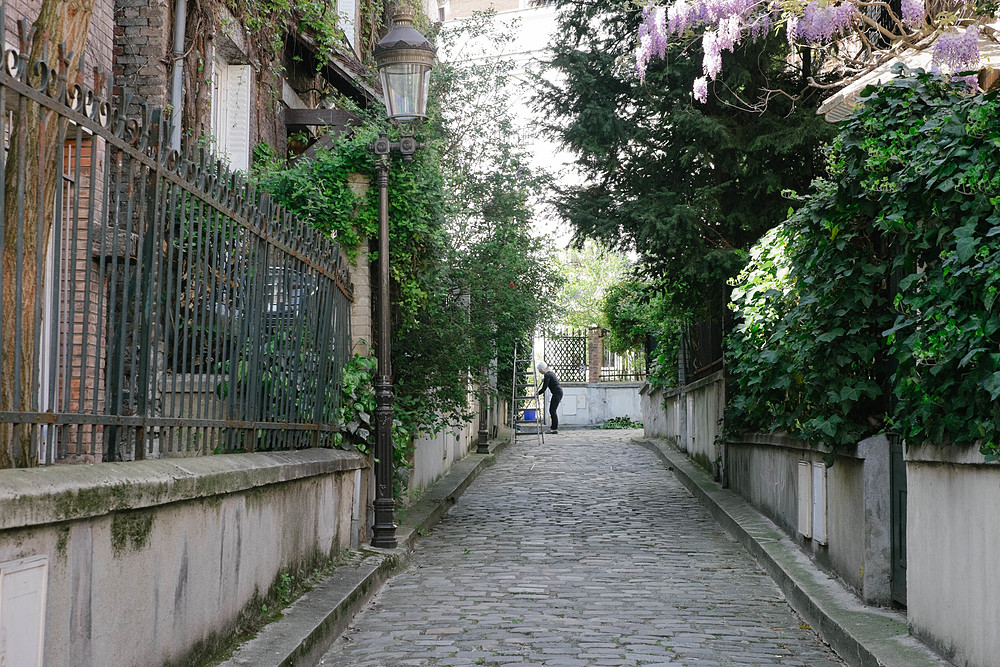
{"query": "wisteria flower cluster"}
(727, 22)
(913, 12)
(956, 50)
(652, 38)
(820, 22)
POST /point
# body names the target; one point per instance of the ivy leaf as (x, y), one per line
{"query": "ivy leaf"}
(992, 385)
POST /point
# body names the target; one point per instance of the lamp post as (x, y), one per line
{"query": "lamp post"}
(404, 59)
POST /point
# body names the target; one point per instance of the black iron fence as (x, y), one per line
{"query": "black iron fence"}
(704, 339)
(154, 304)
(628, 366)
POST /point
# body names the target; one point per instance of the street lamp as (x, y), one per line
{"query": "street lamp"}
(404, 59)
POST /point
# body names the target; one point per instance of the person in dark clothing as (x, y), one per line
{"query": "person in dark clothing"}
(551, 382)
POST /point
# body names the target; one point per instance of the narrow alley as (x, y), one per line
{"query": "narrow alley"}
(586, 551)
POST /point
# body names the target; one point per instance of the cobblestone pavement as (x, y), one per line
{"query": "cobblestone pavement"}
(584, 552)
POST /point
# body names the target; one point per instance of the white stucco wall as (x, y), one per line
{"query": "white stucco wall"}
(952, 542)
(693, 422)
(434, 455)
(593, 403)
(147, 560)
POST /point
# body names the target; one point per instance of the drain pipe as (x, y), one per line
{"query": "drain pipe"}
(176, 90)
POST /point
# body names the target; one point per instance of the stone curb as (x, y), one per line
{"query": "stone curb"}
(309, 626)
(861, 635)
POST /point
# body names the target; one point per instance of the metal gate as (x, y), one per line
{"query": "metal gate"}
(897, 487)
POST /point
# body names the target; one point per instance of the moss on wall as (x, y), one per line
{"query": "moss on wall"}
(130, 531)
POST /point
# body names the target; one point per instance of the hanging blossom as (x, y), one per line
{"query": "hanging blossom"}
(652, 38)
(821, 22)
(725, 20)
(728, 22)
(956, 50)
(913, 12)
(701, 89)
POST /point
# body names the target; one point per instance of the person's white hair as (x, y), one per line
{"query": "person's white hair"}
(542, 366)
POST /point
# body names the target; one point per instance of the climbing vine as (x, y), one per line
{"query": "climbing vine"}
(875, 304)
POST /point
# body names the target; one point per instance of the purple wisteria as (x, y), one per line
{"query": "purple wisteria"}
(956, 50)
(727, 22)
(820, 22)
(913, 12)
(701, 89)
(652, 38)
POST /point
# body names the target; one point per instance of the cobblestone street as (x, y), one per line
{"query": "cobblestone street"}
(584, 552)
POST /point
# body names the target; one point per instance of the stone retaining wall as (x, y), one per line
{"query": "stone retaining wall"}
(153, 562)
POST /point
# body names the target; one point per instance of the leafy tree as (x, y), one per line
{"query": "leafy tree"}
(689, 186)
(60, 24)
(588, 271)
(491, 190)
(467, 278)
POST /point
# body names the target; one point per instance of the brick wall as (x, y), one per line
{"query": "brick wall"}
(142, 48)
(99, 40)
(361, 309)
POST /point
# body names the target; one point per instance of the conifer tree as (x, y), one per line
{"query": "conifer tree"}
(687, 185)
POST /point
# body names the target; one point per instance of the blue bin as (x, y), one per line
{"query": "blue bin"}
(529, 415)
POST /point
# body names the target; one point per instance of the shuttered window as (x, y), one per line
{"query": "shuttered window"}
(231, 113)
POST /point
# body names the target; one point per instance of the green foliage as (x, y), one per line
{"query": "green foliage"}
(805, 352)
(687, 186)
(356, 415)
(876, 302)
(636, 311)
(621, 422)
(588, 271)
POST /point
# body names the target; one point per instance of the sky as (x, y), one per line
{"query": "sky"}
(535, 25)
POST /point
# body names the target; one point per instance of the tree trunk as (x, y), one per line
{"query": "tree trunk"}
(60, 22)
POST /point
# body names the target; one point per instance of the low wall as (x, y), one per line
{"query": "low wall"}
(434, 455)
(691, 419)
(153, 562)
(789, 482)
(953, 538)
(593, 403)
(841, 514)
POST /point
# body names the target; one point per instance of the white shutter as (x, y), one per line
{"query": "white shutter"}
(348, 10)
(805, 498)
(237, 129)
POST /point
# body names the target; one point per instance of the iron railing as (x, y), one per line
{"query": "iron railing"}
(154, 303)
(628, 366)
(569, 352)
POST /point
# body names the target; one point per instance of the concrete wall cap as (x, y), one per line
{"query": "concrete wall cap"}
(38, 496)
(967, 455)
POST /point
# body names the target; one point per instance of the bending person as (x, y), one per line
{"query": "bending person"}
(551, 382)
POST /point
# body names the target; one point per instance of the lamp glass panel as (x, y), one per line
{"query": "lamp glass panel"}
(405, 87)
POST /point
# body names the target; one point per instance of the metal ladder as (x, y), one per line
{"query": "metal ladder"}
(524, 396)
